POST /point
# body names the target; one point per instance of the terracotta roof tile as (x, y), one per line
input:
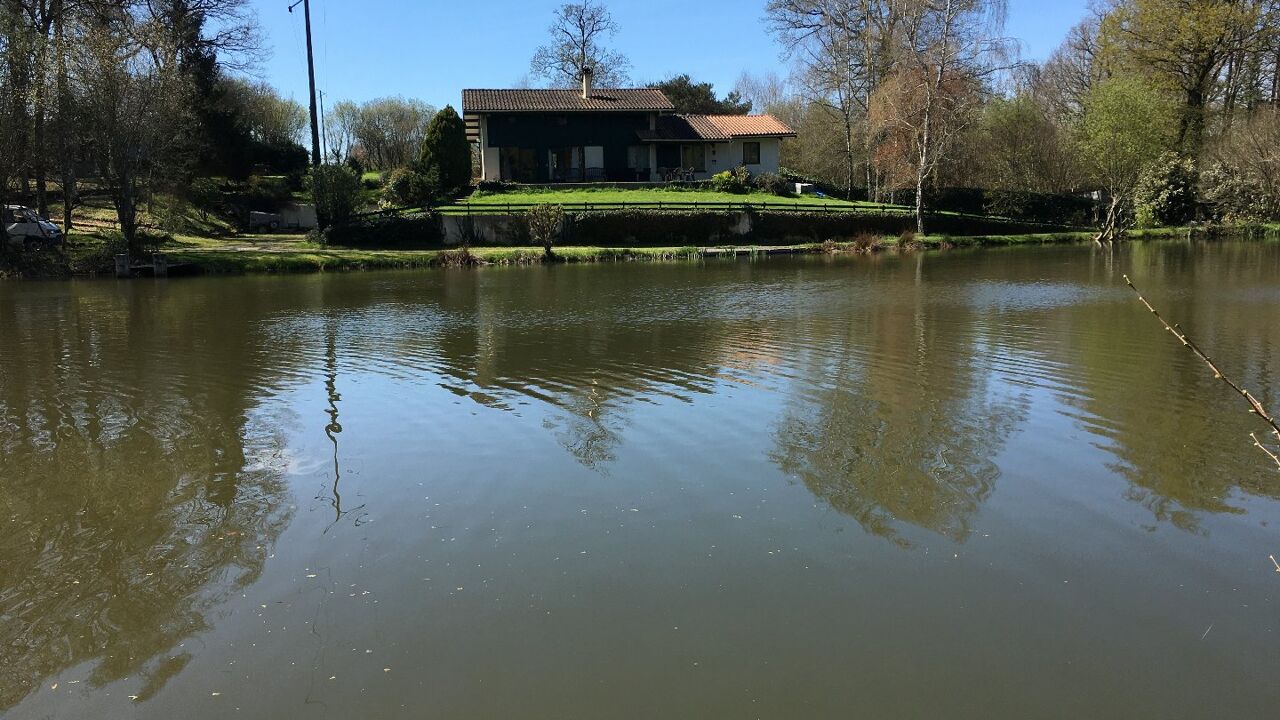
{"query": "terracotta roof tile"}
(602, 99)
(750, 125)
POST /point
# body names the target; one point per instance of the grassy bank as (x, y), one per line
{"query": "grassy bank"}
(315, 259)
(673, 196)
(87, 254)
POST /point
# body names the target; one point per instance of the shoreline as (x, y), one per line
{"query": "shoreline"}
(205, 257)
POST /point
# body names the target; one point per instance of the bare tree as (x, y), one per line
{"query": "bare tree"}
(845, 49)
(1065, 79)
(340, 129)
(577, 35)
(390, 131)
(769, 91)
(270, 118)
(950, 49)
(134, 109)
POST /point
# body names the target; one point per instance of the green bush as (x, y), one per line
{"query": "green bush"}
(206, 196)
(546, 223)
(406, 188)
(495, 186)
(1237, 197)
(335, 189)
(737, 180)
(1166, 192)
(773, 183)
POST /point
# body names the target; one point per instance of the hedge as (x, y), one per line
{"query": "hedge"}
(648, 227)
(1059, 209)
(819, 226)
(386, 231)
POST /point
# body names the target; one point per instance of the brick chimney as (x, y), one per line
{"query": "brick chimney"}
(586, 82)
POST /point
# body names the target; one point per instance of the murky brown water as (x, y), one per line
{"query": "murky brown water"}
(972, 484)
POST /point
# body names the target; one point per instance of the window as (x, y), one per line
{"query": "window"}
(694, 157)
(638, 157)
(750, 153)
(518, 164)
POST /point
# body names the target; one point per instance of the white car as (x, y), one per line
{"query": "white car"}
(24, 227)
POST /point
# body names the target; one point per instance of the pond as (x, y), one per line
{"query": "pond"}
(968, 484)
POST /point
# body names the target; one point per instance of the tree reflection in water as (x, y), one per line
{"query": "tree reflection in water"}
(131, 506)
(898, 421)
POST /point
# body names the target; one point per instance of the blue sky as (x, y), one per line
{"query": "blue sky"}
(431, 49)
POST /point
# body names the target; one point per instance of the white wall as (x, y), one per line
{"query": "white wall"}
(727, 156)
(490, 166)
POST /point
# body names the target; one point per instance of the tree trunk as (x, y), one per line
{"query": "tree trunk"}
(40, 155)
(848, 158)
(1275, 78)
(922, 169)
(65, 154)
(1191, 128)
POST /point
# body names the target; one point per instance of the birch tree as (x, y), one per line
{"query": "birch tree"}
(950, 50)
(844, 49)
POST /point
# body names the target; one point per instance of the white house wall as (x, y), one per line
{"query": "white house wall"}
(727, 156)
(490, 165)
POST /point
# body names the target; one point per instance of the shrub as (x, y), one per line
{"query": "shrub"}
(1166, 192)
(866, 243)
(737, 180)
(907, 240)
(1237, 196)
(545, 225)
(335, 189)
(773, 183)
(406, 187)
(461, 257)
(206, 195)
(494, 186)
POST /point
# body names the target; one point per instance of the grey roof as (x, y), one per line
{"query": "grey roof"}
(601, 99)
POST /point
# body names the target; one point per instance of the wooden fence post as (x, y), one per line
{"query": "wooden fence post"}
(122, 266)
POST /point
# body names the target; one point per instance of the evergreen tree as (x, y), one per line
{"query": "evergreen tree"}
(446, 152)
(700, 98)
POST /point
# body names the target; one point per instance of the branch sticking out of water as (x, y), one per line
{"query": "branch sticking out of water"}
(1255, 406)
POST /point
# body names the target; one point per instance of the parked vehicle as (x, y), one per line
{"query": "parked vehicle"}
(24, 227)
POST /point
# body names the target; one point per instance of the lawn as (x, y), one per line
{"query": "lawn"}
(674, 197)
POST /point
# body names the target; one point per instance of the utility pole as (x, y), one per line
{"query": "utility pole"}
(311, 78)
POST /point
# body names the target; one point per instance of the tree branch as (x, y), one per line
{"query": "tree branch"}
(1255, 407)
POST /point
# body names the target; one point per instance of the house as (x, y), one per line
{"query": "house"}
(611, 135)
